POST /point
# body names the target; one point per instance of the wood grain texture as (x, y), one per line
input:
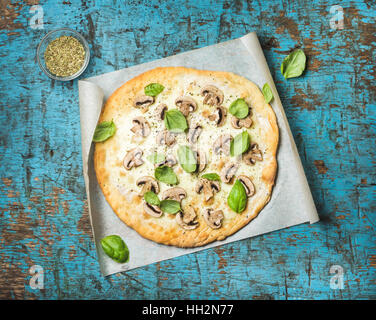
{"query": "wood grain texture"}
(331, 110)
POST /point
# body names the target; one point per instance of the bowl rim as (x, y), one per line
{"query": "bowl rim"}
(86, 61)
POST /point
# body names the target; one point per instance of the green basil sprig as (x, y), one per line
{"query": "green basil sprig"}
(151, 198)
(156, 157)
(153, 89)
(170, 206)
(237, 199)
(294, 64)
(239, 108)
(115, 248)
(187, 159)
(240, 144)
(175, 121)
(104, 131)
(166, 174)
(211, 176)
(267, 92)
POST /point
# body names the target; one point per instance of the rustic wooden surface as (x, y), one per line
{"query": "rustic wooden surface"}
(331, 111)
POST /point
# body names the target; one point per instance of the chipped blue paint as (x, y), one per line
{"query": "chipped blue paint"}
(331, 110)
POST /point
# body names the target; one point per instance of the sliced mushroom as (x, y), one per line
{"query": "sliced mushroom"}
(248, 185)
(133, 158)
(240, 123)
(213, 96)
(213, 218)
(143, 101)
(219, 116)
(222, 144)
(166, 137)
(147, 183)
(170, 161)
(208, 187)
(151, 210)
(201, 160)
(186, 105)
(161, 111)
(228, 171)
(140, 127)
(194, 133)
(254, 154)
(186, 219)
(176, 193)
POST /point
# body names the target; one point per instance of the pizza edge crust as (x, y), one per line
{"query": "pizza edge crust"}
(203, 234)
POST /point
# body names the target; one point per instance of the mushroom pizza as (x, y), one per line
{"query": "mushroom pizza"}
(186, 157)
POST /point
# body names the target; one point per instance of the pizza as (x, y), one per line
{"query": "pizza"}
(191, 157)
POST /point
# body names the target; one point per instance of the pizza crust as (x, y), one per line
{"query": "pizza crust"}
(118, 184)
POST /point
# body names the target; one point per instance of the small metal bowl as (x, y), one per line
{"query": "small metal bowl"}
(52, 35)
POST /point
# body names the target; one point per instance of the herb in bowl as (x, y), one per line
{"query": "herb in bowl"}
(64, 56)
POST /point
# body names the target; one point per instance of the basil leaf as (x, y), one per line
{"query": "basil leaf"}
(175, 121)
(294, 64)
(239, 108)
(104, 131)
(153, 89)
(170, 206)
(239, 144)
(237, 199)
(151, 198)
(267, 92)
(187, 159)
(211, 176)
(165, 174)
(115, 248)
(156, 157)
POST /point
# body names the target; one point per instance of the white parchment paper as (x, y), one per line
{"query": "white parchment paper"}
(291, 201)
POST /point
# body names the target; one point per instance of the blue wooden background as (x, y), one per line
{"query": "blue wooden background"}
(331, 111)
